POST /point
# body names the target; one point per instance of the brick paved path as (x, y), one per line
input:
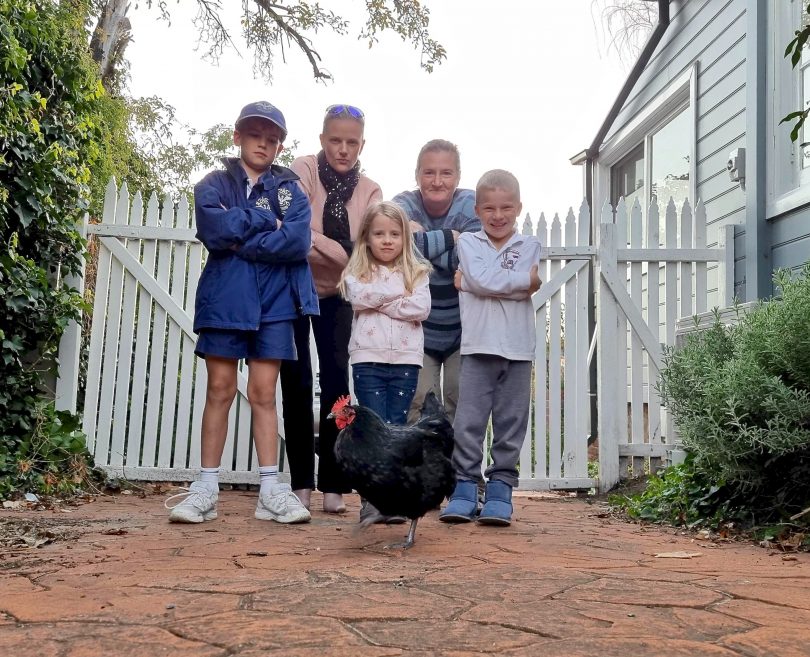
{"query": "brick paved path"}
(565, 580)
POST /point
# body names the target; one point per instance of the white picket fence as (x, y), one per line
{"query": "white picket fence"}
(145, 388)
(636, 314)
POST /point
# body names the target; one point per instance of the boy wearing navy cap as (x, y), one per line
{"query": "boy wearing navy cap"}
(255, 222)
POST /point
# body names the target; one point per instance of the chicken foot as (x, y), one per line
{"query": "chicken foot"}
(409, 540)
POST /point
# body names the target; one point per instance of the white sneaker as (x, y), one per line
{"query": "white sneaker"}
(199, 503)
(281, 505)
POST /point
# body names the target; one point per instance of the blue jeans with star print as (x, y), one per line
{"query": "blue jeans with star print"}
(386, 389)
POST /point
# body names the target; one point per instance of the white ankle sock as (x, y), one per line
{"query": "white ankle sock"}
(210, 477)
(268, 476)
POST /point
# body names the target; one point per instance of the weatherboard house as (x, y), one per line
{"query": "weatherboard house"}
(699, 118)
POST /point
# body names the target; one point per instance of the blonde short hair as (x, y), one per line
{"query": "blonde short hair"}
(498, 179)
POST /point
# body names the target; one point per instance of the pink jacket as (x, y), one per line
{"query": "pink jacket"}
(327, 258)
(387, 325)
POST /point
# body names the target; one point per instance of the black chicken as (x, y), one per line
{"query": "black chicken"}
(403, 470)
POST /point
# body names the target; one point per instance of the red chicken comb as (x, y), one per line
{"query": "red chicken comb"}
(341, 403)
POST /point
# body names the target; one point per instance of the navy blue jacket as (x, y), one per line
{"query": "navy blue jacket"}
(256, 271)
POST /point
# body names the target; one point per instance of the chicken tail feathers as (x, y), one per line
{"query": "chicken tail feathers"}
(434, 420)
(431, 406)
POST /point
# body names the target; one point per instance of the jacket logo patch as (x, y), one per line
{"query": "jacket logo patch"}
(284, 199)
(509, 258)
(263, 203)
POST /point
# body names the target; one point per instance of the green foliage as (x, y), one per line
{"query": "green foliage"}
(682, 495)
(119, 155)
(51, 458)
(171, 150)
(49, 134)
(740, 398)
(794, 51)
(271, 27)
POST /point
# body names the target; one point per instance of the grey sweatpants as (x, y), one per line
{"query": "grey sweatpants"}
(500, 387)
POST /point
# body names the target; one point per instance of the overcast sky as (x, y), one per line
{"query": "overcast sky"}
(525, 86)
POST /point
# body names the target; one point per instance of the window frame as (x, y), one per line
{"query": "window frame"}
(788, 184)
(679, 95)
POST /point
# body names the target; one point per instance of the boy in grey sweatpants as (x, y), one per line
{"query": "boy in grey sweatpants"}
(498, 273)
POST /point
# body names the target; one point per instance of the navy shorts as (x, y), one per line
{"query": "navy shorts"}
(273, 340)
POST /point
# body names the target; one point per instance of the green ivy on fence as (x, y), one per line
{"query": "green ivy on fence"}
(49, 135)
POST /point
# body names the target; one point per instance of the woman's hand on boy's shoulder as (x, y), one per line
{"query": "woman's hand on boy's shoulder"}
(457, 279)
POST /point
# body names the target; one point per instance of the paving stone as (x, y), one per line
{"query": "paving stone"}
(764, 613)
(94, 640)
(565, 619)
(332, 651)
(770, 641)
(648, 573)
(627, 591)
(255, 629)
(783, 593)
(432, 635)
(503, 586)
(357, 600)
(622, 647)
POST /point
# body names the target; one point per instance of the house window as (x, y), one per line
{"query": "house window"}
(804, 74)
(627, 178)
(658, 167)
(788, 91)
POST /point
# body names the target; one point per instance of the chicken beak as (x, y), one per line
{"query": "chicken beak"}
(331, 416)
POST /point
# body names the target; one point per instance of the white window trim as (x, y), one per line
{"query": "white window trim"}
(788, 186)
(666, 105)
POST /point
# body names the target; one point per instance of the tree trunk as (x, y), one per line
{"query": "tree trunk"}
(110, 38)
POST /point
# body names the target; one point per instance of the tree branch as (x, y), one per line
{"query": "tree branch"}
(303, 43)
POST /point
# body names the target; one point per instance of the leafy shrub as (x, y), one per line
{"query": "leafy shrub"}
(49, 104)
(740, 398)
(683, 495)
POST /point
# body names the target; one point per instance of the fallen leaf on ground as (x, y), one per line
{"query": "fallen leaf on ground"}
(677, 555)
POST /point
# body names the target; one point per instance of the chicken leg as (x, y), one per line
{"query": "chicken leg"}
(409, 540)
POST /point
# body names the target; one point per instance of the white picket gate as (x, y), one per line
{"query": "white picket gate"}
(146, 389)
(636, 314)
(555, 452)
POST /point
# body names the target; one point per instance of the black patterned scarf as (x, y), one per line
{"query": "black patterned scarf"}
(339, 189)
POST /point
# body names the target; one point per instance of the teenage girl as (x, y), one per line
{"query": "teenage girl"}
(386, 282)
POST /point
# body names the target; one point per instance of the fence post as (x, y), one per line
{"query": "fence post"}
(607, 362)
(70, 346)
(725, 268)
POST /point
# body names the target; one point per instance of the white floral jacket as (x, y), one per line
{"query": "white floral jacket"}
(387, 325)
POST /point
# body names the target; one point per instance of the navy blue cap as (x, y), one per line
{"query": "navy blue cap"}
(264, 110)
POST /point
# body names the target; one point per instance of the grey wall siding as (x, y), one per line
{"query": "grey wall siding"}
(702, 30)
(790, 240)
(712, 34)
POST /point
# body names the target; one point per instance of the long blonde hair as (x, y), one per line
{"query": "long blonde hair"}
(410, 262)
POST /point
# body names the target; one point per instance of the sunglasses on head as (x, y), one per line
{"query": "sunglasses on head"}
(350, 110)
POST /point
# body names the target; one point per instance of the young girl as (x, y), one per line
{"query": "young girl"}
(386, 282)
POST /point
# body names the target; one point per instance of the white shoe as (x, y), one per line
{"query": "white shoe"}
(199, 503)
(281, 505)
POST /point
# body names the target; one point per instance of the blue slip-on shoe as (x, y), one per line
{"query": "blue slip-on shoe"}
(497, 508)
(463, 503)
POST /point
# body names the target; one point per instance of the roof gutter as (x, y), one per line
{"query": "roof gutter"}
(589, 156)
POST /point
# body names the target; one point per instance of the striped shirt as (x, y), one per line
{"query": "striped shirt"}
(442, 328)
